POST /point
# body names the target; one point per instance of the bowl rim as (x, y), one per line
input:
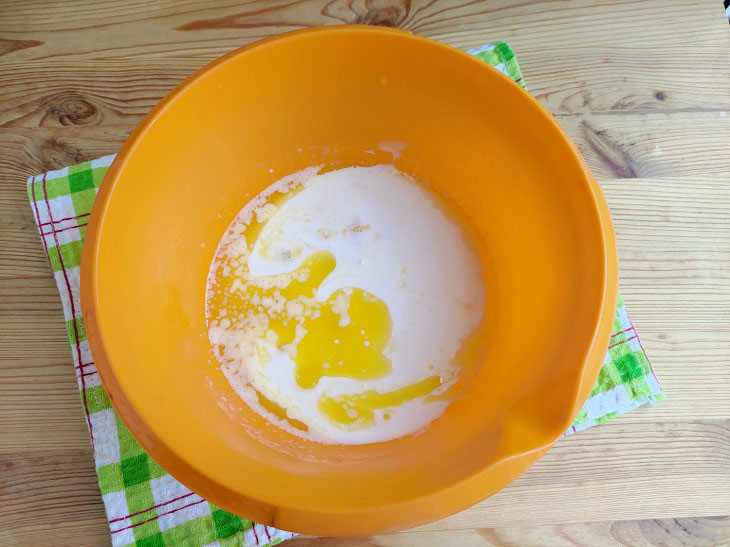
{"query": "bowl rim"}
(426, 508)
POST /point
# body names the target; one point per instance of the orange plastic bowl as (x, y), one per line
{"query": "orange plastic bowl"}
(330, 96)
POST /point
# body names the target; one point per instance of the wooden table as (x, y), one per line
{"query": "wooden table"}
(643, 87)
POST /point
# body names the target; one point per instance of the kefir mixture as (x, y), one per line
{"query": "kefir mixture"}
(339, 304)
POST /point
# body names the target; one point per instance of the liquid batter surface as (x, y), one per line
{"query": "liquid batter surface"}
(340, 305)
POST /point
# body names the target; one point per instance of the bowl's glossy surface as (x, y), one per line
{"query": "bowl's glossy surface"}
(330, 96)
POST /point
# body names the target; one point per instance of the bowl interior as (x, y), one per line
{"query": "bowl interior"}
(331, 98)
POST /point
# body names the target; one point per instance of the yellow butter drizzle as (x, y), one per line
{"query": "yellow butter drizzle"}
(358, 409)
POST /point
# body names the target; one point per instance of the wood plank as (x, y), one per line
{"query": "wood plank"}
(675, 259)
(190, 28)
(638, 533)
(630, 145)
(61, 94)
(572, 64)
(26, 152)
(51, 498)
(81, 531)
(653, 461)
(651, 144)
(110, 91)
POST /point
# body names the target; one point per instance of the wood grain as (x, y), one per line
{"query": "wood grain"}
(684, 531)
(640, 86)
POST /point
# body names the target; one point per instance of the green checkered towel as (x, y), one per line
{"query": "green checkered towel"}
(146, 506)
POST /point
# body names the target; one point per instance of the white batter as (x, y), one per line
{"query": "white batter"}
(389, 237)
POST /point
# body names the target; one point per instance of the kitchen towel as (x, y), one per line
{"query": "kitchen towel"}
(147, 507)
